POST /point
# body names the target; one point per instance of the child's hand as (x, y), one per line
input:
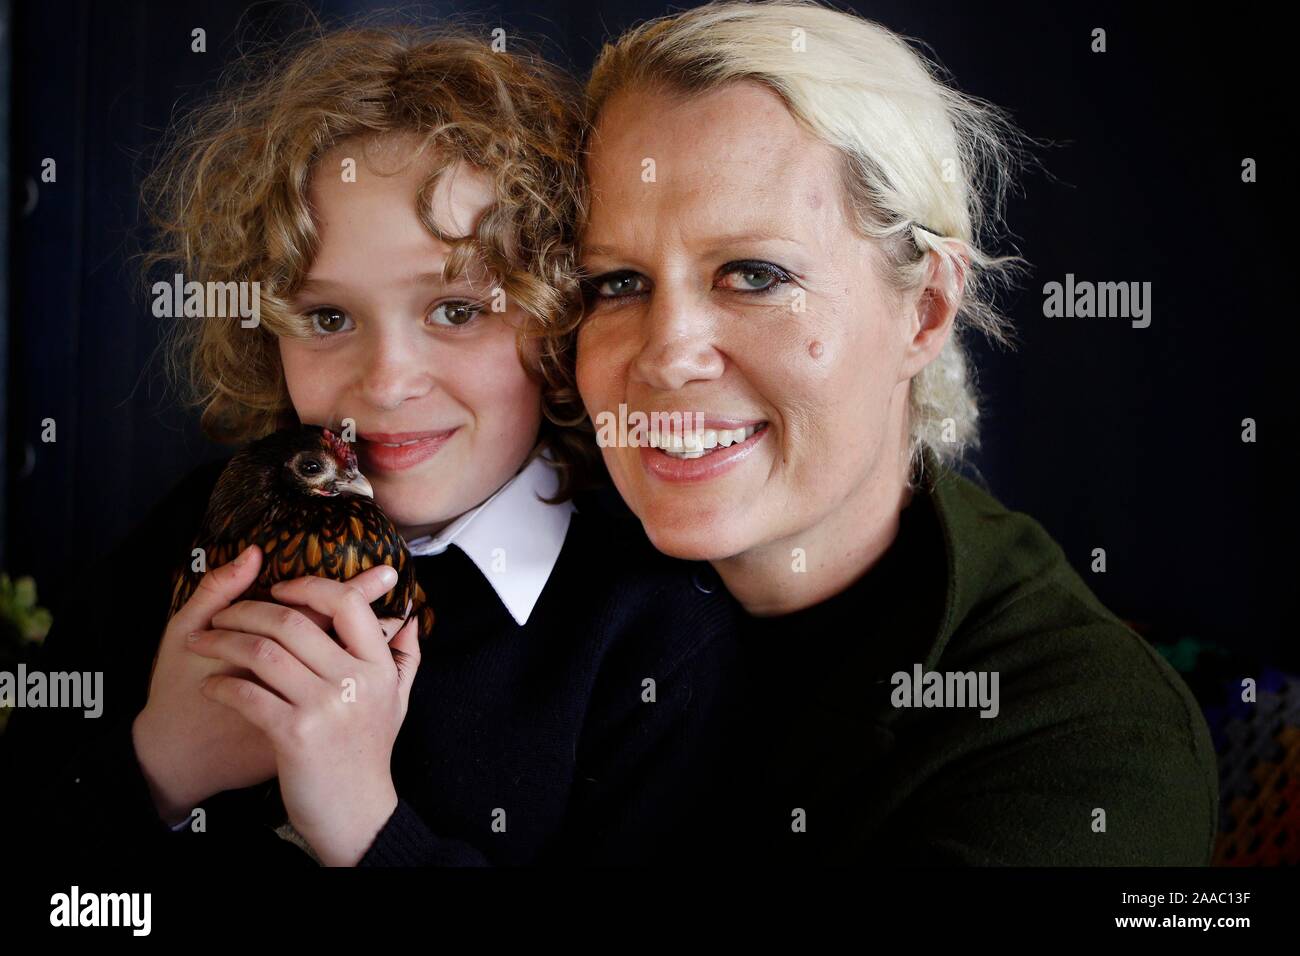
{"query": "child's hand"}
(342, 706)
(188, 746)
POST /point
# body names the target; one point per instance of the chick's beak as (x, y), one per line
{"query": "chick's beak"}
(355, 483)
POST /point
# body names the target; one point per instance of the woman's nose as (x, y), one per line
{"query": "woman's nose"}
(678, 345)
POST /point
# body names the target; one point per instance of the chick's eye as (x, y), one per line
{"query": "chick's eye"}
(310, 466)
(454, 314)
(754, 276)
(327, 321)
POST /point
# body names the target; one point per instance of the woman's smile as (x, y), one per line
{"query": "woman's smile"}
(700, 456)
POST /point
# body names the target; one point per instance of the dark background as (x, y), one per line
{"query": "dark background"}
(1114, 437)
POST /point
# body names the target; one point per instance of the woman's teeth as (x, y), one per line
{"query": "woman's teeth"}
(699, 444)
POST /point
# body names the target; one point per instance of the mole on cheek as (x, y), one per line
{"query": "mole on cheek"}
(815, 349)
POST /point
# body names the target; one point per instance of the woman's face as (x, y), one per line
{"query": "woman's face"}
(444, 411)
(726, 280)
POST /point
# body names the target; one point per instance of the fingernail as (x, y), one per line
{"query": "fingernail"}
(243, 557)
(192, 636)
(388, 574)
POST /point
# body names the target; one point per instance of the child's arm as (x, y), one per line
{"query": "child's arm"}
(406, 840)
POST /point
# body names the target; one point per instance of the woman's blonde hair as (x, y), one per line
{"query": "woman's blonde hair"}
(228, 201)
(925, 168)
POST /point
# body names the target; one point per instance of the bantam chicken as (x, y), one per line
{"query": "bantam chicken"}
(299, 496)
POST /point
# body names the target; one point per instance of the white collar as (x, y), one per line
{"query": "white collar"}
(513, 537)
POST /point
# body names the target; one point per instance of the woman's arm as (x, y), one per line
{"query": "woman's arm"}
(1099, 756)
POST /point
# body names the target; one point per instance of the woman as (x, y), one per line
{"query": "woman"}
(782, 236)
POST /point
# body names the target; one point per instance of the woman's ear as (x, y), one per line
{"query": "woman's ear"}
(933, 307)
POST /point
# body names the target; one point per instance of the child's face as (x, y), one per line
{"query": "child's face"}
(404, 356)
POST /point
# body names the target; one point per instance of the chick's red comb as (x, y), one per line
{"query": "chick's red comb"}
(343, 451)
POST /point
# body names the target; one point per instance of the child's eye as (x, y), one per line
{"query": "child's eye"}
(756, 277)
(328, 320)
(455, 314)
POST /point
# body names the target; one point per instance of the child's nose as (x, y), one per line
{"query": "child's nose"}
(393, 372)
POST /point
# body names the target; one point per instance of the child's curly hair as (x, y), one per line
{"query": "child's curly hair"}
(228, 201)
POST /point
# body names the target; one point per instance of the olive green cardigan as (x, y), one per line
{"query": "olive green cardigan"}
(1098, 754)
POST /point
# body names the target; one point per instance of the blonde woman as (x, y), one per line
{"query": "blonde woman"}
(785, 236)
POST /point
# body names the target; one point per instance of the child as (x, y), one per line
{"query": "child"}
(404, 200)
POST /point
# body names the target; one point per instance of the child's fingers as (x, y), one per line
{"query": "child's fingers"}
(374, 582)
(261, 708)
(268, 660)
(347, 606)
(406, 655)
(217, 588)
(320, 620)
(289, 627)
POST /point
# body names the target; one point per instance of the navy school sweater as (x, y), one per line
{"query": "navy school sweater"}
(522, 744)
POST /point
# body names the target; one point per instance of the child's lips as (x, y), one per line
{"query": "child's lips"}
(399, 438)
(388, 451)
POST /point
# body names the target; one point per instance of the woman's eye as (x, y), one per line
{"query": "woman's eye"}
(453, 314)
(755, 276)
(328, 321)
(615, 285)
